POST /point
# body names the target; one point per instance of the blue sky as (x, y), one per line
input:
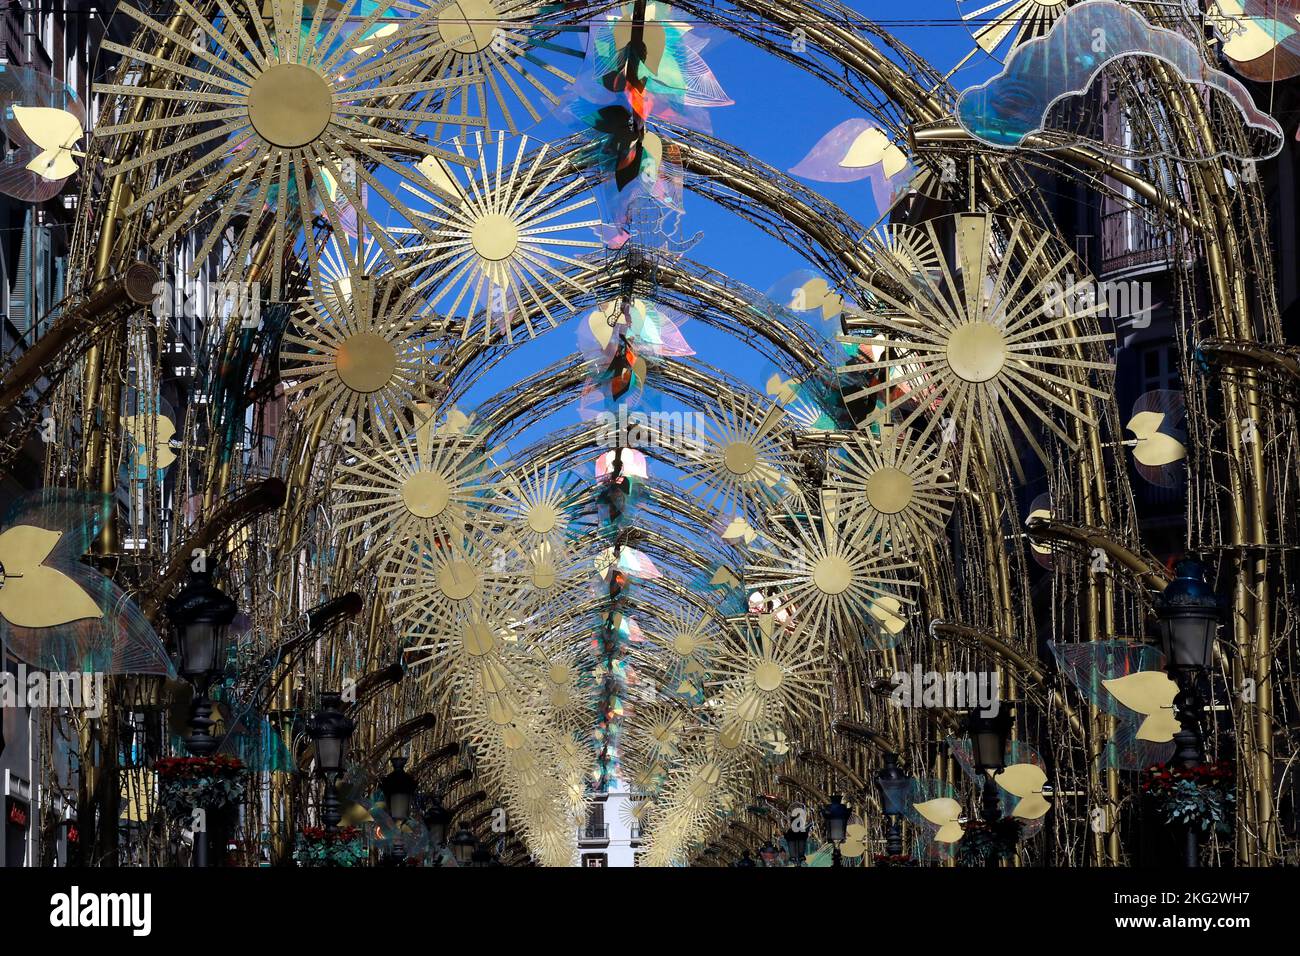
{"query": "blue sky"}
(779, 114)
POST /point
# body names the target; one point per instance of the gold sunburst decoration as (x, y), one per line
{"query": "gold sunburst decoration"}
(360, 352)
(739, 463)
(895, 489)
(438, 580)
(550, 579)
(262, 106)
(539, 505)
(654, 733)
(635, 814)
(403, 482)
(767, 677)
(906, 248)
(977, 352)
(686, 640)
(827, 578)
(475, 650)
(560, 681)
(511, 62)
(1002, 25)
(504, 254)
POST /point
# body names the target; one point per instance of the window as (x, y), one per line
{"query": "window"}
(1159, 368)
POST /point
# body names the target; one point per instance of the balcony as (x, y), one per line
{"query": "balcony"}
(594, 833)
(1130, 244)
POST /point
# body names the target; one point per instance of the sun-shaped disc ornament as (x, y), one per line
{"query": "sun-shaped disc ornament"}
(894, 488)
(998, 27)
(977, 353)
(262, 106)
(766, 677)
(740, 463)
(514, 57)
(827, 577)
(360, 352)
(506, 240)
(404, 481)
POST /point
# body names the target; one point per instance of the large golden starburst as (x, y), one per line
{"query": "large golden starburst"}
(445, 578)
(512, 61)
(360, 353)
(976, 350)
(767, 677)
(826, 578)
(551, 580)
(1002, 25)
(404, 482)
(654, 733)
(262, 104)
(739, 463)
(893, 488)
(504, 246)
(539, 505)
(686, 641)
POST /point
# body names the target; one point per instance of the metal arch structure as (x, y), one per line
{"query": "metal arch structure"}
(912, 101)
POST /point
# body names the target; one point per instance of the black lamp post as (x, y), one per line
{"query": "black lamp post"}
(201, 615)
(1190, 614)
(463, 845)
(399, 793)
(436, 821)
(330, 728)
(989, 736)
(797, 842)
(894, 786)
(835, 819)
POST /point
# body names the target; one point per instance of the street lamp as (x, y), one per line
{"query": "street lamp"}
(399, 792)
(835, 819)
(330, 729)
(989, 736)
(797, 843)
(894, 786)
(201, 615)
(1190, 614)
(436, 821)
(463, 845)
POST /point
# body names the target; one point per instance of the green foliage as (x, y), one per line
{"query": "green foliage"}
(315, 847)
(1203, 797)
(208, 783)
(1203, 808)
(981, 843)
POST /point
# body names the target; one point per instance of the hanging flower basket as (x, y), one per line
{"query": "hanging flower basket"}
(1203, 797)
(983, 842)
(315, 846)
(207, 783)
